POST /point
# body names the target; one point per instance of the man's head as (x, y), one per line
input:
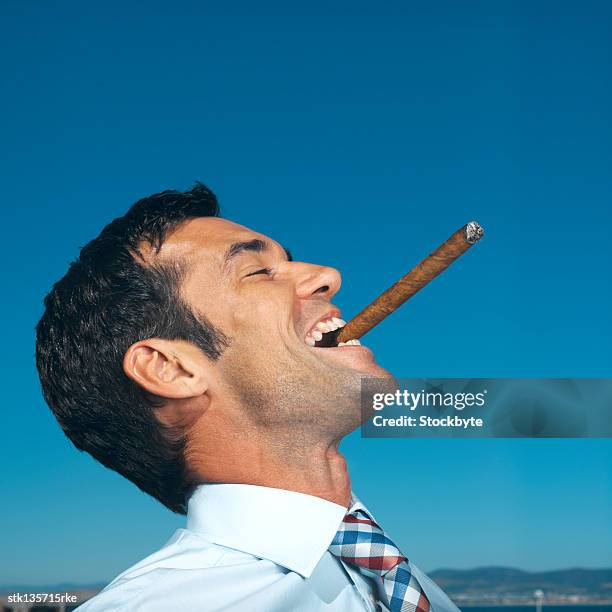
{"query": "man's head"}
(178, 338)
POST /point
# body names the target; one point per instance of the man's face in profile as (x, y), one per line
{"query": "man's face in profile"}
(269, 308)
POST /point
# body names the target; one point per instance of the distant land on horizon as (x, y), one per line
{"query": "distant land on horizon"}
(474, 582)
(59, 587)
(481, 581)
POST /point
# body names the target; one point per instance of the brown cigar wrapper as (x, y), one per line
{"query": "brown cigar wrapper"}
(412, 282)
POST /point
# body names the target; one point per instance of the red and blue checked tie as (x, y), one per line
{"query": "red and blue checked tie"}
(360, 541)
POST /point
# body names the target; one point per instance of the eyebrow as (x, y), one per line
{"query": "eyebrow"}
(256, 245)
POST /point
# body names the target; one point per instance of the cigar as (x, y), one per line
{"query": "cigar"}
(412, 282)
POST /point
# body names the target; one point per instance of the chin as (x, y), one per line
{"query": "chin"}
(358, 359)
(380, 381)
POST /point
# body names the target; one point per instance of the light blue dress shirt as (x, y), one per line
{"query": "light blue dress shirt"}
(250, 548)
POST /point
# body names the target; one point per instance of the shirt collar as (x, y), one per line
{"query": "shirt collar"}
(357, 504)
(288, 528)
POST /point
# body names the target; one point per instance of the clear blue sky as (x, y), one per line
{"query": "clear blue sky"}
(360, 135)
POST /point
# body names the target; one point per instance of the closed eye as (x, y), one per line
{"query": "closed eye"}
(262, 271)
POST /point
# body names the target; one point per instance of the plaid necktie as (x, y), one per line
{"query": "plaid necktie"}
(360, 541)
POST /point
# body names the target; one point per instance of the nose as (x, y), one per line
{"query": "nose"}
(311, 280)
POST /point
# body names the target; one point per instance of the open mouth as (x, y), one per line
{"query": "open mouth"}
(324, 334)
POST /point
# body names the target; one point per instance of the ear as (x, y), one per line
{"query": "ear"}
(168, 368)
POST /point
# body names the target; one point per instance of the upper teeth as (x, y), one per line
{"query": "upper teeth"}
(322, 327)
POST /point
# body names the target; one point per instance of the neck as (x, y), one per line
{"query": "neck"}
(319, 470)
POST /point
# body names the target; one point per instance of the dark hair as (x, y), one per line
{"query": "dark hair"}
(109, 299)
